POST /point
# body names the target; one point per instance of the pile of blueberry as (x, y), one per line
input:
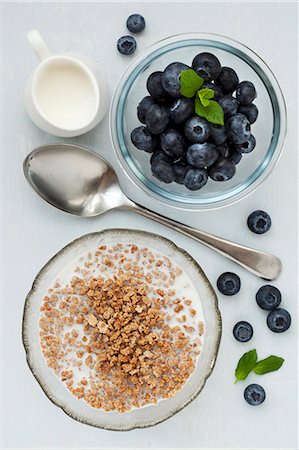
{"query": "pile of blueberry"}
(186, 148)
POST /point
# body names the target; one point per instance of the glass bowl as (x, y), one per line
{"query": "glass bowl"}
(269, 129)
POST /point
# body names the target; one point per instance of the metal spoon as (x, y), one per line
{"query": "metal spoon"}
(80, 182)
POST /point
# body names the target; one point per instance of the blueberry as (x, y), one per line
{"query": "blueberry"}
(163, 171)
(243, 331)
(247, 146)
(227, 80)
(206, 66)
(157, 118)
(173, 143)
(181, 109)
(143, 139)
(268, 297)
(254, 394)
(223, 150)
(217, 91)
(159, 155)
(245, 92)
(154, 85)
(143, 106)
(171, 78)
(238, 128)
(195, 178)
(279, 320)
(259, 222)
(202, 155)
(135, 23)
(250, 111)
(197, 129)
(180, 168)
(229, 105)
(218, 134)
(235, 157)
(126, 45)
(222, 170)
(229, 283)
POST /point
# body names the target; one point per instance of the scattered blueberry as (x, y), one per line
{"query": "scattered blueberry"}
(227, 80)
(229, 283)
(245, 92)
(243, 331)
(143, 106)
(254, 394)
(235, 157)
(229, 105)
(206, 66)
(163, 171)
(202, 155)
(173, 143)
(247, 146)
(259, 222)
(171, 78)
(279, 320)
(223, 150)
(135, 23)
(195, 179)
(181, 109)
(143, 139)
(197, 129)
(250, 111)
(126, 45)
(180, 169)
(238, 128)
(222, 170)
(217, 91)
(268, 297)
(159, 155)
(157, 118)
(218, 134)
(154, 85)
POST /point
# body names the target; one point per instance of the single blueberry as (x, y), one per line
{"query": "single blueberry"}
(229, 105)
(259, 222)
(135, 23)
(202, 155)
(268, 297)
(247, 146)
(227, 80)
(143, 139)
(235, 157)
(250, 111)
(173, 143)
(154, 85)
(163, 171)
(180, 168)
(171, 78)
(238, 129)
(181, 109)
(279, 320)
(157, 118)
(243, 331)
(159, 155)
(224, 150)
(143, 106)
(217, 91)
(229, 283)
(195, 178)
(206, 66)
(254, 394)
(218, 134)
(197, 129)
(222, 170)
(126, 45)
(245, 92)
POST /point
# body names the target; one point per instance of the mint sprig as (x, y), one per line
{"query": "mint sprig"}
(190, 83)
(213, 112)
(205, 95)
(269, 364)
(248, 363)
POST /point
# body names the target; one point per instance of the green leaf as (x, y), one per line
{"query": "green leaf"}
(205, 96)
(190, 83)
(213, 113)
(245, 365)
(269, 364)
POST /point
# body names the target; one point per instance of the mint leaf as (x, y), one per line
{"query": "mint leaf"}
(190, 83)
(269, 364)
(205, 96)
(245, 365)
(213, 113)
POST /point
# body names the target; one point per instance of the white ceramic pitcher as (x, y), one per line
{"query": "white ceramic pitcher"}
(66, 95)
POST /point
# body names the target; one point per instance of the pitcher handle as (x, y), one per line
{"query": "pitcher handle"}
(38, 45)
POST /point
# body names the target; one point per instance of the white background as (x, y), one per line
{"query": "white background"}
(33, 231)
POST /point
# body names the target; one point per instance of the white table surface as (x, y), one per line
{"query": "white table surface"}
(33, 231)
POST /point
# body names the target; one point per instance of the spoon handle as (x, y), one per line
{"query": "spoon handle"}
(259, 263)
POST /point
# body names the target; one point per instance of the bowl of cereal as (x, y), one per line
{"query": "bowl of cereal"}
(121, 329)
